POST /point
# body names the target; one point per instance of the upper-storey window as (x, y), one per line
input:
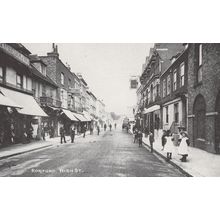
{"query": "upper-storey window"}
(62, 78)
(182, 74)
(168, 84)
(19, 81)
(164, 87)
(174, 80)
(200, 62)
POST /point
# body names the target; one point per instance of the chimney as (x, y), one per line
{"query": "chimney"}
(54, 52)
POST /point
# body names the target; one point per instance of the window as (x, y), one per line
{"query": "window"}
(157, 95)
(182, 74)
(19, 81)
(160, 66)
(1, 74)
(200, 62)
(168, 84)
(62, 78)
(176, 112)
(164, 87)
(34, 88)
(200, 54)
(167, 115)
(174, 80)
(151, 92)
(69, 82)
(43, 90)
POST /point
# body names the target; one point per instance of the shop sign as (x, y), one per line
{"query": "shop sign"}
(17, 55)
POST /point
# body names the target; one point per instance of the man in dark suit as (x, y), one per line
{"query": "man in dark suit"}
(72, 134)
(62, 134)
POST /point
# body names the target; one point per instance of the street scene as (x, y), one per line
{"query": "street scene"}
(109, 110)
(110, 154)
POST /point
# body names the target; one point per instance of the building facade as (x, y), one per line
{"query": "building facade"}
(203, 96)
(20, 113)
(149, 93)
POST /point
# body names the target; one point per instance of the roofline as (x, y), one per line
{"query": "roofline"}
(183, 52)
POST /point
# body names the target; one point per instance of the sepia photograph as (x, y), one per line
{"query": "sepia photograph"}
(109, 109)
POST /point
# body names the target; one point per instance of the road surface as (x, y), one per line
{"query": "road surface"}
(111, 154)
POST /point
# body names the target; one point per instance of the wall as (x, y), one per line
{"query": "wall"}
(209, 89)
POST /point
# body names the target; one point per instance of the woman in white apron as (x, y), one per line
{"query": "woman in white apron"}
(183, 147)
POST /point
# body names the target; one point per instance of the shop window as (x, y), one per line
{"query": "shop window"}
(176, 112)
(19, 81)
(174, 80)
(182, 74)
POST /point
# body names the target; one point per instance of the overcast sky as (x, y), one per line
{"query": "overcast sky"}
(105, 67)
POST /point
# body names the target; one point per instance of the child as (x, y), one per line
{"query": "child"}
(183, 147)
(140, 136)
(151, 140)
(169, 146)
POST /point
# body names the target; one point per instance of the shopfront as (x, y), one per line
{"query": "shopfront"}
(22, 122)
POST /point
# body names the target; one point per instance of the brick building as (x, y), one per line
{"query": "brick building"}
(159, 59)
(67, 92)
(173, 93)
(204, 96)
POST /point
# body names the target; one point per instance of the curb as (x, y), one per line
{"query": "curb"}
(27, 151)
(35, 149)
(170, 161)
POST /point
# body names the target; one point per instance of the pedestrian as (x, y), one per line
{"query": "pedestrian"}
(110, 126)
(140, 136)
(169, 146)
(98, 129)
(91, 129)
(135, 134)
(151, 140)
(72, 133)
(105, 126)
(62, 134)
(115, 126)
(163, 139)
(183, 146)
(43, 133)
(84, 131)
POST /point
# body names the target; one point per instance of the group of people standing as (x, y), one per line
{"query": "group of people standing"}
(169, 147)
(167, 142)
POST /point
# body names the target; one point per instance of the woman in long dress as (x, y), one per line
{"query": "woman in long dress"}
(183, 147)
(169, 146)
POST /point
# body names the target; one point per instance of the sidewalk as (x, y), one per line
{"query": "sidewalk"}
(199, 162)
(17, 149)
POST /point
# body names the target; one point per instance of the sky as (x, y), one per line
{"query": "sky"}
(106, 67)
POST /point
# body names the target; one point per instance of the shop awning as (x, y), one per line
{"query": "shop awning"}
(70, 115)
(8, 102)
(27, 102)
(87, 116)
(80, 117)
(151, 109)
